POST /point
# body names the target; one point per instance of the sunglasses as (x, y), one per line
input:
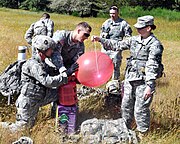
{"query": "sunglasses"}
(86, 35)
(113, 8)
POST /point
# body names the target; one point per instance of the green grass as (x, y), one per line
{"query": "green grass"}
(165, 125)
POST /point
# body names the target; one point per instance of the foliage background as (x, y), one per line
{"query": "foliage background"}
(87, 7)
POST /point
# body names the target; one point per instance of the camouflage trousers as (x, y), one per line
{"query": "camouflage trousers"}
(134, 105)
(116, 73)
(116, 58)
(28, 107)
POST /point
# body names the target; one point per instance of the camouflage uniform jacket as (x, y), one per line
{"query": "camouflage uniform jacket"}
(145, 57)
(35, 79)
(69, 50)
(37, 29)
(115, 30)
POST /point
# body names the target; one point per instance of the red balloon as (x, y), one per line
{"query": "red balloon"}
(95, 69)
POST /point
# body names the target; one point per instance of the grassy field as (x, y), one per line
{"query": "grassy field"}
(165, 109)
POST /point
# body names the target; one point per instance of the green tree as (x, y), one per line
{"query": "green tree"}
(150, 4)
(82, 7)
(9, 3)
(62, 6)
(89, 7)
(36, 5)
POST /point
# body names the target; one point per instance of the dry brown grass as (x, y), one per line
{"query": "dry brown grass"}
(165, 108)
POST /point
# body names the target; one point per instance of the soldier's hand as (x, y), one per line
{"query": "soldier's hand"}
(74, 67)
(63, 73)
(95, 38)
(147, 92)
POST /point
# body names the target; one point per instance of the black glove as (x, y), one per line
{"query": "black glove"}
(74, 67)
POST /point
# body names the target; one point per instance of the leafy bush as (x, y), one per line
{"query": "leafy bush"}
(134, 12)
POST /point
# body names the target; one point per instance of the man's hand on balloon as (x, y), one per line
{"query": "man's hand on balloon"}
(95, 38)
(74, 67)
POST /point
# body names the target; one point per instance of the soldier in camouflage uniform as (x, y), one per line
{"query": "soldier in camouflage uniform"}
(141, 71)
(44, 26)
(115, 28)
(37, 83)
(70, 46)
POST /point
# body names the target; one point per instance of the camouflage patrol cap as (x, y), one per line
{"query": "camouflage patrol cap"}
(42, 42)
(144, 21)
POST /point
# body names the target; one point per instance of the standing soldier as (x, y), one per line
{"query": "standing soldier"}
(44, 26)
(115, 29)
(70, 46)
(142, 70)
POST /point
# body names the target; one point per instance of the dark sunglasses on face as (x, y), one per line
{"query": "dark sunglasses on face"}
(113, 8)
(86, 35)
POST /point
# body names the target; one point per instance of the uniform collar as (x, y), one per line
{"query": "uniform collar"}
(116, 21)
(70, 41)
(37, 57)
(146, 40)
